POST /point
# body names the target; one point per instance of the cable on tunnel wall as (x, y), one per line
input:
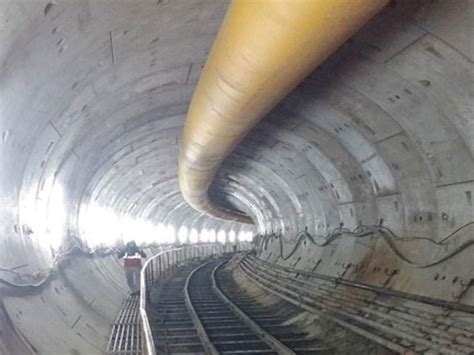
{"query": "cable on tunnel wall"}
(58, 260)
(362, 231)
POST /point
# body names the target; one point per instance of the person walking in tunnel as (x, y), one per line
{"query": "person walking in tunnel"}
(133, 264)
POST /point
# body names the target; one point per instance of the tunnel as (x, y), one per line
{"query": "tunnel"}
(340, 222)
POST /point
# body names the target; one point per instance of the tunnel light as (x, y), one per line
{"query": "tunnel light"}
(99, 226)
(165, 234)
(242, 236)
(231, 236)
(160, 231)
(138, 230)
(45, 216)
(204, 235)
(245, 236)
(183, 234)
(212, 236)
(193, 236)
(208, 235)
(145, 231)
(170, 234)
(221, 236)
(130, 229)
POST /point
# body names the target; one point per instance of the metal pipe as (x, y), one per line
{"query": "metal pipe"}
(263, 50)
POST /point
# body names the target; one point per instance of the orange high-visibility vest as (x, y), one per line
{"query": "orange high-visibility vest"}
(132, 260)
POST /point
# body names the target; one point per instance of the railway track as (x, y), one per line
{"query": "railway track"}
(195, 314)
(171, 324)
(405, 327)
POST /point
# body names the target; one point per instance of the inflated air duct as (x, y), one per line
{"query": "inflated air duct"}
(263, 50)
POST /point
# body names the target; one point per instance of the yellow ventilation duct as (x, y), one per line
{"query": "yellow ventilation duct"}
(263, 50)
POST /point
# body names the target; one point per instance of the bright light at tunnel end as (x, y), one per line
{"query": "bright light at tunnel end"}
(101, 227)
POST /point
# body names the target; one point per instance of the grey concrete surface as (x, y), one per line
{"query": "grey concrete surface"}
(93, 96)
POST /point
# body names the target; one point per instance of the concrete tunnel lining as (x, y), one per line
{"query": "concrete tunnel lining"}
(93, 97)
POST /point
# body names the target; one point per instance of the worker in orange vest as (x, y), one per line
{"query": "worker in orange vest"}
(133, 264)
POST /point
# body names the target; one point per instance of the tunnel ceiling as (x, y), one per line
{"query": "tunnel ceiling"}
(93, 97)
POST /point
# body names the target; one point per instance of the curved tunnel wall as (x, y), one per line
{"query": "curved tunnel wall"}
(70, 312)
(92, 102)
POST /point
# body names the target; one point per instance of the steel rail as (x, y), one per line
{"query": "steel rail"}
(444, 343)
(412, 297)
(296, 300)
(269, 339)
(201, 331)
(414, 330)
(146, 329)
(151, 271)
